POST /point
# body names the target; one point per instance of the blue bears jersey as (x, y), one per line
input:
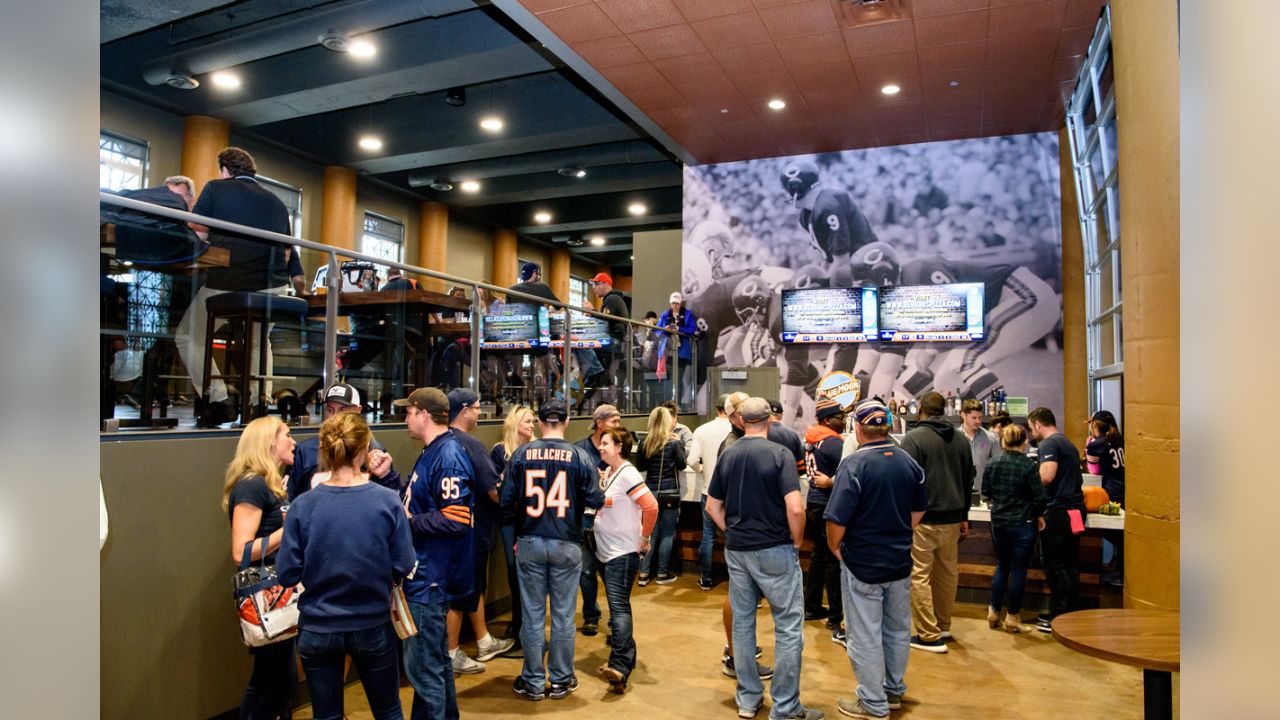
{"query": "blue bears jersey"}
(548, 483)
(440, 502)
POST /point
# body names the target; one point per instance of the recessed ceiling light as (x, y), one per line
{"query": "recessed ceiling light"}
(370, 142)
(637, 208)
(542, 217)
(776, 104)
(491, 123)
(890, 89)
(955, 83)
(226, 80)
(572, 171)
(362, 48)
(597, 241)
(633, 257)
(724, 110)
(470, 186)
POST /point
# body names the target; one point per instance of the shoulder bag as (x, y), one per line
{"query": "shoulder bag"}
(268, 611)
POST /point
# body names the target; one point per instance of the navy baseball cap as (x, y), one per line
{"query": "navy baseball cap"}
(871, 413)
(460, 398)
(528, 269)
(553, 411)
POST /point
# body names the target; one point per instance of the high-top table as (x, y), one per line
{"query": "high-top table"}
(1148, 639)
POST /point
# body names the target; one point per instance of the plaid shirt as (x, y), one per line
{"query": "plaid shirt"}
(1011, 484)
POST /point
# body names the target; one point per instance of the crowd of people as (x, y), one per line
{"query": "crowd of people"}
(886, 516)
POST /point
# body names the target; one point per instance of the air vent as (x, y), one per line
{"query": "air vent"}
(182, 82)
(337, 42)
(441, 186)
(860, 13)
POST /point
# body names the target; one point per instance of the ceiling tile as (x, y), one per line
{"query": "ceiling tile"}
(709, 102)
(660, 97)
(701, 68)
(759, 88)
(931, 8)
(971, 78)
(960, 121)
(812, 50)
(832, 100)
(675, 117)
(848, 138)
(1007, 3)
(945, 57)
(1030, 18)
(911, 121)
(952, 29)
(1075, 41)
(1083, 12)
(636, 15)
(609, 52)
(1015, 97)
(579, 23)
(808, 18)
(880, 38)
(694, 10)
(732, 31)
(666, 42)
(541, 6)
(903, 138)
(1010, 49)
(744, 61)
(955, 104)
(874, 72)
(775, 3)
(826, 75)
(633, 77)
(1002, 76)
(1067, 68)
(944, 135)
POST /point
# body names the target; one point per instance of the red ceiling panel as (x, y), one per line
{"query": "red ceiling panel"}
(743, 62)
(609, 52)
(634, 77)
(1066, 68)
(1005, 98)
(874, 72)
(774, 3)
(954, 104)
(930, 8)
(940, 83)
(1002, 76)
(808, 18)
(881, 38)
(1083, 12)
(1010, 49)
(812, 50)
(541, 6)
(636, 15)
(824, 76)
(661, 97)
(833, 103)
(952, 29)
(666, 42)
(732, 31)
(694, 10)
(904, 138)
(1074, 41)
(969, 121)
(1035, 17)
(701, 67)
(579, 23)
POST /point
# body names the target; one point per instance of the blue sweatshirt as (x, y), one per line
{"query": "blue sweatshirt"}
(347, 546)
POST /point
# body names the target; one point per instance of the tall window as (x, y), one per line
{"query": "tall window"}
(292, 199)
(577, 291)
(122, 161)
(1091, 127)
(384, 238)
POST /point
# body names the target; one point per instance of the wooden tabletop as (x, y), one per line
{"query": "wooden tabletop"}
(212, 257)
(437, 300)
(1148, 639)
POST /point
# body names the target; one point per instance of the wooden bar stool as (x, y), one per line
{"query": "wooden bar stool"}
(249, 308)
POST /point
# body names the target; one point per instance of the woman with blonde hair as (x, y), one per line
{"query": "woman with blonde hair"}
(348, 542)
(661, 458)
(254, 498)
(1011, 485)
(517, 429)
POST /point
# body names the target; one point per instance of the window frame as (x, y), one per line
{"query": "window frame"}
(145, 145)
(365, 234)
(295, 213)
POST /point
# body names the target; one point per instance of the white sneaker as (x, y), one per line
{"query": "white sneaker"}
(463, 665)
(492, 649)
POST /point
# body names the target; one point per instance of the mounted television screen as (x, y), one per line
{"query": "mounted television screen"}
(511, 326)
(829, 315)
(931, 313)
(587, 332)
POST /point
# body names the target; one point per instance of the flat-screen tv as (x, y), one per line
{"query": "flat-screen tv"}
(588, 331)
(511, 326)
(931, 313)
(829, 315)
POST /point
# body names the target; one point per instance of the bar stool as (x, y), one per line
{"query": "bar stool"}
(247, 307)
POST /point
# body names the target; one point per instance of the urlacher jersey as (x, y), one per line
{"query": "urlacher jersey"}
(836, 223)
(554, 481)
(939, 270)
(440, 502)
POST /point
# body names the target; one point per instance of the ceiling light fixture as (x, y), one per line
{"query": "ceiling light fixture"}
(572, 171)
(225, 80)
(492, 123)
(441, 186)
(456, 97)
(597, 241)
(542, 217)
(470, 186)
(637, 208)
(890, 89)
(955, 83)
(776, 104)
(362, 49)
(372, 143)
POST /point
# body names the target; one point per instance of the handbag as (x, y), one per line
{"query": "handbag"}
(268, 611)
(401, 619)
(667, 499)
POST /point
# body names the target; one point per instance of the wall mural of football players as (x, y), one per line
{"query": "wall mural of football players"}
(970, 211)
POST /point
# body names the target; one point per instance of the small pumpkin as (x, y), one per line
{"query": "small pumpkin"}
(1094, 498)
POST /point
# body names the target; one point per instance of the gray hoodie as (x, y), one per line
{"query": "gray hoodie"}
(948, 468)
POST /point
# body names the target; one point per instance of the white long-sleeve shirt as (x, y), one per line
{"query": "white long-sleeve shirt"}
(706, 447)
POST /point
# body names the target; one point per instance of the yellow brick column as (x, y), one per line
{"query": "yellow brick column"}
(557, 276)
(433, 241)
(504, 258)
(1075, 360)
(338, 208)
(1145, 46)
(203, 138)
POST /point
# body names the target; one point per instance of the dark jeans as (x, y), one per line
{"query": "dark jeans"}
(1013, 545)
(508, 533)
(666, 536)
(374, 653)
(426, 662)
(708, 545)
(824, 569)
(589, 582)
(1059, 553)
(619, 574)
(275, 675)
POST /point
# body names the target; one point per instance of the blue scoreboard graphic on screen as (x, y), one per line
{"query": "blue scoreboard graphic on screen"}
(931, 313)
(512, 326)
(829, 315)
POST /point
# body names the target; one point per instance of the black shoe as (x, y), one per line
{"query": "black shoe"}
(834, 623)
(726, 667)
(705, 584)
(523, 690)
(642, 579)
(560, 691)
(816, 614)
(1044, 626)
(591, 627)
(1044, 618)
(666, 578)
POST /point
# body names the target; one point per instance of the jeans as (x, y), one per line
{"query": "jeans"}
(427, 663)
(666, 536)
(824, 568)
(374, 653)
(619, 574)
(877, 621)
(508, 533)
(1013, 545)
(774, 573)
(708, 543)
(590, 585)
(1059, 554)
(269, 693)
(688, 384)
(548, 568)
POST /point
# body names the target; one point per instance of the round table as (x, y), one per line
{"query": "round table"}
(1148, 639)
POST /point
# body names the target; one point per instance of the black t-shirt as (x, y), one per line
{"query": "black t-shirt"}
(1110, 460)
(614, 304)
(1065, 491)
(486, 479)
(255, 264)
(538, 288)
(752, 478)
(254, 491)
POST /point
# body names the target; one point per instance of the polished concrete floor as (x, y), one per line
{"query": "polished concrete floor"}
(987, 674)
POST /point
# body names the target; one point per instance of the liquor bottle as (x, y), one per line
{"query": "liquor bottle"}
(959, 402)
(1003, 400)
(913, 409)
(951, 404)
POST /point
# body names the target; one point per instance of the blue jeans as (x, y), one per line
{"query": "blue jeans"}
(877, 622)
(548, 568)
(708, 544)
(1012, 544)
(427, 663)
(590, 584)
(666, 536)
(774, 573)
(374, 653)
(619, 574)
(508, 533)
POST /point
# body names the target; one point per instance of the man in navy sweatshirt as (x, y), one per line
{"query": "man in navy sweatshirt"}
(439, 505)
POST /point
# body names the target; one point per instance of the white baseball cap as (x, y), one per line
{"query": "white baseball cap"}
(676, 297)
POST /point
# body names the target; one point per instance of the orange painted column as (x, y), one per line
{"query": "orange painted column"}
(504, 258)
(338, 208)
(203, 138)
(1075, 361)
(433, 242)
(558, 274)
(622, 283)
